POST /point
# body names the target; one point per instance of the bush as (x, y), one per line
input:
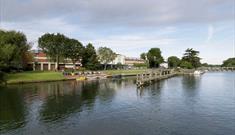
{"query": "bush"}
(173, 61)
(140, 65)
(186, 64)
(230, 62)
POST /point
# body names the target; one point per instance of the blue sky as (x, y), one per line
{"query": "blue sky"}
(130, 27)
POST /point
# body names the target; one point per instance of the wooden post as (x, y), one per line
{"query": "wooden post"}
(49, 65)
(41, 66)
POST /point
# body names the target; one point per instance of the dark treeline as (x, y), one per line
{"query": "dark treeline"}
(189, 60)
(14, 52)
(58, 46)
(230, 62)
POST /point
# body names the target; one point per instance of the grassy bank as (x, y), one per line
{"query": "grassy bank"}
(124, 72)
(34, 76)
(41, 76)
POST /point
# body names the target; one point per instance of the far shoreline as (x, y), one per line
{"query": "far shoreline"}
(52, 76)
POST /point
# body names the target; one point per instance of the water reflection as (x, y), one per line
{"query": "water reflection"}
(12, 109)
(191, 85)
(67, 98)
(179, 105)
(191, 81)
(154, 89)
(60, 102)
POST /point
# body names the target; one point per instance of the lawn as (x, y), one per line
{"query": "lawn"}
(31, 76)
(124, 72)
(37, 76)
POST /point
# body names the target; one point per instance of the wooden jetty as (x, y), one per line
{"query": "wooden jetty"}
(153, 75)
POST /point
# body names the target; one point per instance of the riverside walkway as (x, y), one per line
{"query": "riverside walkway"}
(150, 76)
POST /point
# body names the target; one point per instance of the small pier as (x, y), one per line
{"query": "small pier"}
(150, 76)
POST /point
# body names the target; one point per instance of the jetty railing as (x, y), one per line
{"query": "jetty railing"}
(150, 76)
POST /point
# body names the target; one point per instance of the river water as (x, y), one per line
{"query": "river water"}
(182, 105)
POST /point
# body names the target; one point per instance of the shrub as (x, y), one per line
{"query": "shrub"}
(186, 64)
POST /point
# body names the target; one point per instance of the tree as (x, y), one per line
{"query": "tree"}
(13, 48)
(119, 65)
(205, 65)
(73, 50)
(154, 57)
(230, 62)
(53, 45)
(186, 64)
(173, 61)
(6, 56)
(106, 55)
(140, 65)
(191, 56)
(143, 56)
(89, 58)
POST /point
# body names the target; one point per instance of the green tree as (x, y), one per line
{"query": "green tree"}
(154, 57)
(173, 61)
(106, 55)
(186, 64)
(205, 65)
(140, 65)
(119, 65)
(13, 48)
(230, 62)
(6, 54)
(191, 56)
(143, 56)
(54, 46)
(89, 58)
(73, 50)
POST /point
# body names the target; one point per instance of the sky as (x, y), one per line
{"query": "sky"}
(130, 27)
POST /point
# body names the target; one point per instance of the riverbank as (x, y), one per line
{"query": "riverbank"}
(124, 72)
(47, 76)
(196, 101)
(34, 76)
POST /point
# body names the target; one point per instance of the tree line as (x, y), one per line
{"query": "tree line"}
(230, 62)
(15, 53)
(189, 60)
(58, 47)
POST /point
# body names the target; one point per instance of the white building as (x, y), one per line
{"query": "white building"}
(119, 59)
(164, 65)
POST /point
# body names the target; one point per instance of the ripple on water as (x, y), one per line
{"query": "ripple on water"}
(181, 105)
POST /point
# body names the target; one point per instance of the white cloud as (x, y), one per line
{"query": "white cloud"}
(34, 28)
(131, 13)
(129, 27)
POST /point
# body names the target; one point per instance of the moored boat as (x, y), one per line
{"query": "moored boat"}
(198, 72)
(82, 78)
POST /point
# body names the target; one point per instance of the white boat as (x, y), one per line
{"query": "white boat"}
(198, 72)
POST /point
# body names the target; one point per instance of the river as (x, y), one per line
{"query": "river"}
(182, 105)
